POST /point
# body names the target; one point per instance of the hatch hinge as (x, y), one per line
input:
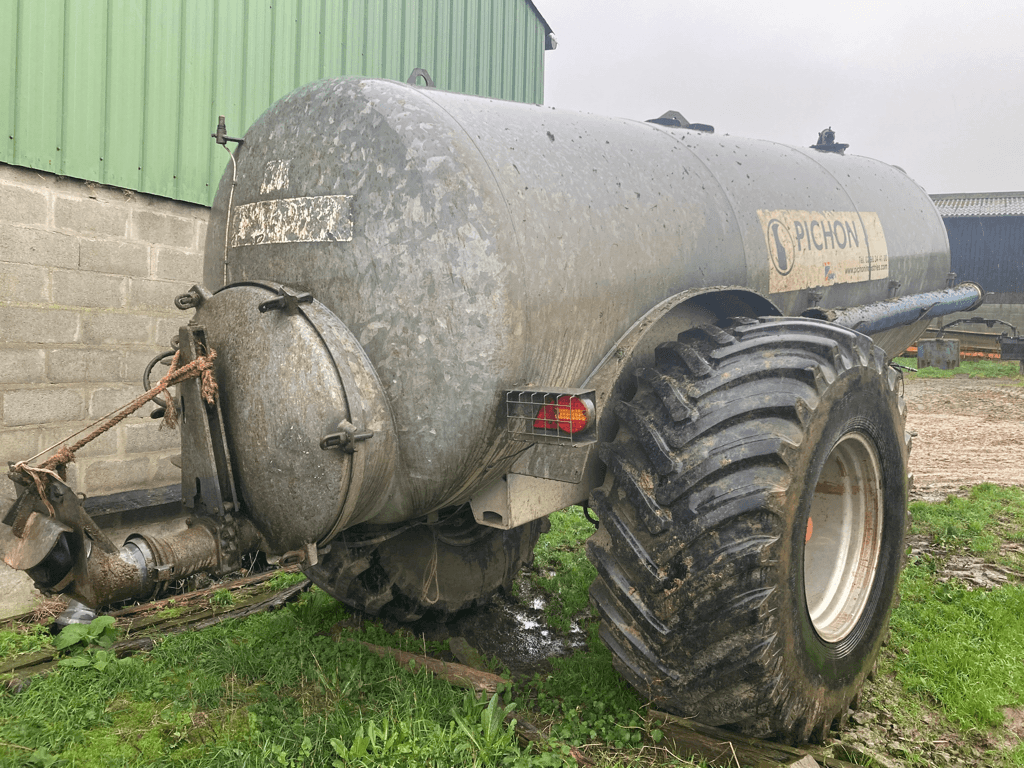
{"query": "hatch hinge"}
(287, 301)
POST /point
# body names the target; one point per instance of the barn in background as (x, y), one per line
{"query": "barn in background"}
(107, 169)
(986, 243)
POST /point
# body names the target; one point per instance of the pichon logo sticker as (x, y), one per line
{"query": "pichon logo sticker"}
(813, 249)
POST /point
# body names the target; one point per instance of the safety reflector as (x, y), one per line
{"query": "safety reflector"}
(566, 417)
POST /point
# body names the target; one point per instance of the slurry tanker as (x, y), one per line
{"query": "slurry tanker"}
(434, 319)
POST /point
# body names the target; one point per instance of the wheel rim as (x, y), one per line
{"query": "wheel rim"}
(843, 537)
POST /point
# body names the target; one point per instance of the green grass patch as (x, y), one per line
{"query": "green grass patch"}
(976, 524)
(961, 648)
(974, 369)
(273, 689)
(561, 569)
(286, 689)
(24, 639)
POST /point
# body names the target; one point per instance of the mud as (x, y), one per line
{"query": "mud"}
(973, 572)
(967, 431)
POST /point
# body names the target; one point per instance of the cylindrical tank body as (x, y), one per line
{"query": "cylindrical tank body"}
(473, 246)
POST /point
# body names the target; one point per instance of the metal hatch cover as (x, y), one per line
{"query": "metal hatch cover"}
(281, 393)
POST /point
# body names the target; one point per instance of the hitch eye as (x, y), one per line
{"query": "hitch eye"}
(563, 417)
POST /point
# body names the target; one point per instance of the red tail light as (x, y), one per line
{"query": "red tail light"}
(568, 414)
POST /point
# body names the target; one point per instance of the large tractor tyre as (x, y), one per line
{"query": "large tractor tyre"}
(437, 569)
(752, 524)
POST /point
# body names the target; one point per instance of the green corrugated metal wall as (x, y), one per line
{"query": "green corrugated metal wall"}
(127, 92)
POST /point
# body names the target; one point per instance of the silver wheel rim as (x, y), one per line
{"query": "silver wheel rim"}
(843, 537)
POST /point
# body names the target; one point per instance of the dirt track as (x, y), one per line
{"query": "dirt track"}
(968, 431)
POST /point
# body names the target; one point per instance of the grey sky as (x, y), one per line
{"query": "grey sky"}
(934, 87)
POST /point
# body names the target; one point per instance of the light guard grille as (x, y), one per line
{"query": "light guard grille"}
(522, 407)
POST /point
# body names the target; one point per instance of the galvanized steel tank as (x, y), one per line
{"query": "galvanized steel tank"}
(473, 246)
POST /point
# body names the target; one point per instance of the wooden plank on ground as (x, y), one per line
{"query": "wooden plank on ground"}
(724, 748)
(456, 674)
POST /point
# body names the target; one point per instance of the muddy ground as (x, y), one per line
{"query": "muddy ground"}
(967, 431)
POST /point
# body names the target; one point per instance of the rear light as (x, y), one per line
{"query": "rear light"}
(564, 417)
(568, 414)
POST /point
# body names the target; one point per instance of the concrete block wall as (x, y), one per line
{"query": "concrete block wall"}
(88, 275)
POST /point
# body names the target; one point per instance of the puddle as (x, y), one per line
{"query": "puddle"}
(513, 629)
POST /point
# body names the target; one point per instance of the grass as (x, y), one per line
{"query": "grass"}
(956, 659)
(962, 648)
(561, 569)
(280, 689)
(977, 524)
(974, 369)
(274, 689)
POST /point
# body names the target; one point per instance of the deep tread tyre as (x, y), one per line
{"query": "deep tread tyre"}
(422, 570)
(707, 580)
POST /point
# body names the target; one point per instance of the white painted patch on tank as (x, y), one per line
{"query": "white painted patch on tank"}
(275, 176)
(326, 219)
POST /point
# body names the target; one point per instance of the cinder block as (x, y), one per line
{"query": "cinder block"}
(105, 400)
(163, 229)
(18, 444)
(134, 364)
(23, 206)
(22, 366)
(36, 246)
(173, 264)
(38, 326)
(88, 289)
(167, 328)
(26, 176)
(202, 225)
(114, 257)
(24, 283)
(106, 444)
(103, 193)
(17, 594)
(168, 207)
(163, 472)
(150, 437)
(83, 364)
(154, 295)
(116, 328)
(99, 476)
(90, 216)
(42, 406)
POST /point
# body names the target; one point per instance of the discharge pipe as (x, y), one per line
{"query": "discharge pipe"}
(905, 310)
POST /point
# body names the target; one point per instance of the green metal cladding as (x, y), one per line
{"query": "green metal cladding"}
(127, 92)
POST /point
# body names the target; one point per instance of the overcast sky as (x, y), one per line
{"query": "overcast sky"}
(934, 87)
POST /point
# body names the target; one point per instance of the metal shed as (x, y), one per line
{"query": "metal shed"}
(126, 92)
(986, 243)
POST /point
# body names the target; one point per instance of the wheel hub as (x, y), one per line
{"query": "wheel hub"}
(843, 537)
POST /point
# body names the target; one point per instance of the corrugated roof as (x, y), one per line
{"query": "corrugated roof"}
(980, 204)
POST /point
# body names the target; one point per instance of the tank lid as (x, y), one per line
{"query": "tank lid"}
(285, 410)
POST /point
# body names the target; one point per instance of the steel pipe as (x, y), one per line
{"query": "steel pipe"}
(905, 310)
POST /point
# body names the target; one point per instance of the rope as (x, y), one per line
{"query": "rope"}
(55, 466)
